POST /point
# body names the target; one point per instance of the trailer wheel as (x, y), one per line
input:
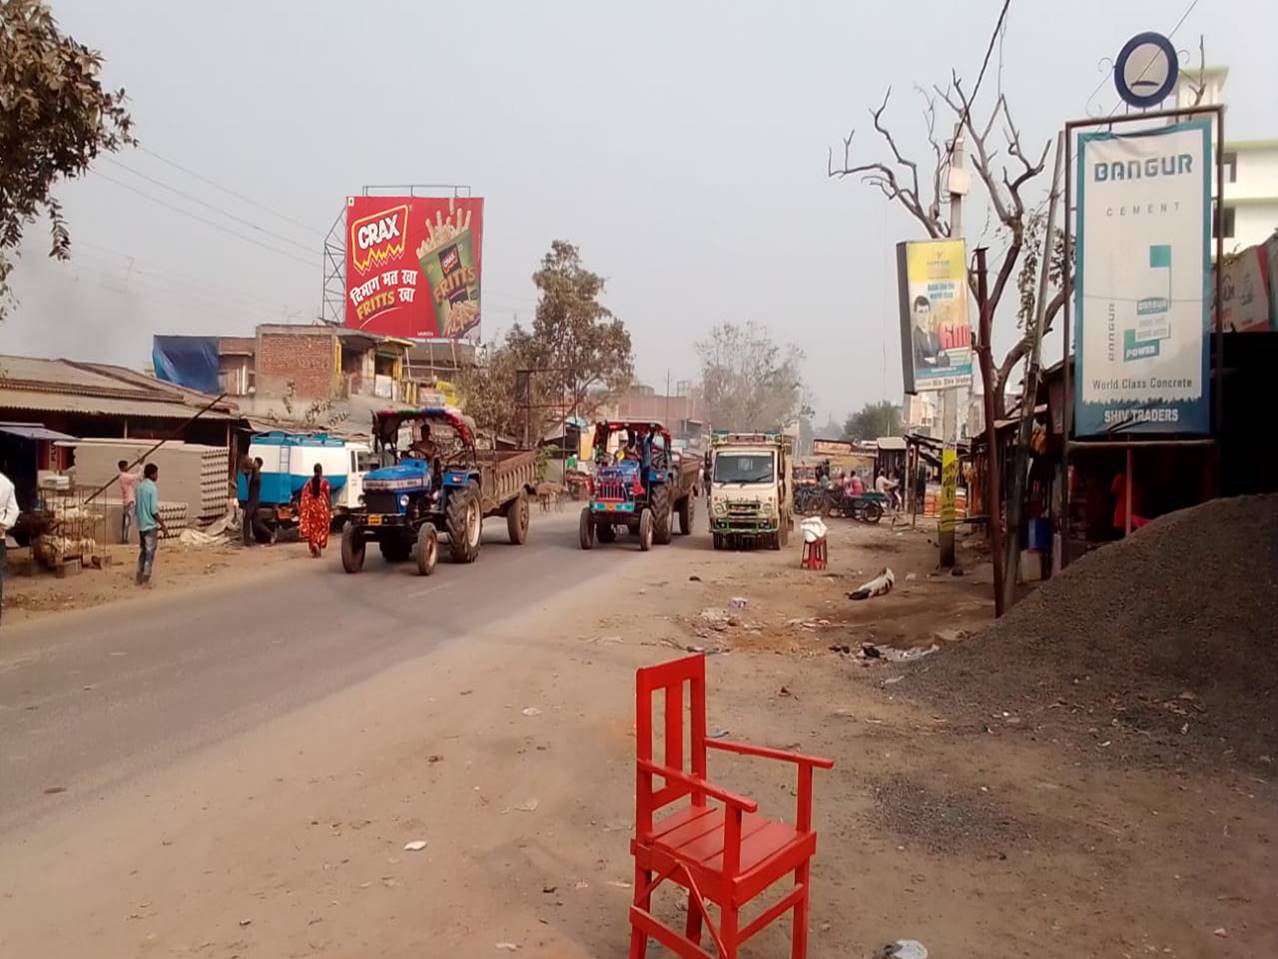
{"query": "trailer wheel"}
(352, 549)
(586, 529)
(465, 524)
(517, 520)
(873, 512)
(645, 530)
(687, 508)
(427, 549)
(661, 515)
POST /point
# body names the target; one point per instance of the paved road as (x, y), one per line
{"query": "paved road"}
(87, 701)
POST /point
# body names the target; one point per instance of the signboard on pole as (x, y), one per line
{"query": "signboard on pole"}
(936, 334)
(413, 265)
(1143, 278)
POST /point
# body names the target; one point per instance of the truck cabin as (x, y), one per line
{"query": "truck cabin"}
(745, 467)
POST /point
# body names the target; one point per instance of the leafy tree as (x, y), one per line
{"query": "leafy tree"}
(55, 118)
(575, 353)
(748, 381)
(872, 421)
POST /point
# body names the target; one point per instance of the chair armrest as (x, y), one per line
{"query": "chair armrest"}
(723, 795)
(764, 752)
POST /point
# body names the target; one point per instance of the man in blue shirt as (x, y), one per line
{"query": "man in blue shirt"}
(150, 525)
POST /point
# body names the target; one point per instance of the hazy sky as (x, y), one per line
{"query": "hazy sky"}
(682, 146)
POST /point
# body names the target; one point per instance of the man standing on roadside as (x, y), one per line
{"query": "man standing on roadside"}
(150, 525)
(128, 498)
(8, 516)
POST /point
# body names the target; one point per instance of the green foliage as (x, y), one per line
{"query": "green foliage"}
(872, 421)
(749, 382)
(55, 118)
(573, 356)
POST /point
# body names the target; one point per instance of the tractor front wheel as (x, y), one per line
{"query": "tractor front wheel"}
(352, 549)
(661, 514)
(427, 549)
(586, 529)
(645, 530)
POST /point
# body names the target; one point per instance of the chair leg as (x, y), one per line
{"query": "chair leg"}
(728, 922)
(693, 929)
(639, 938)
(799, 935)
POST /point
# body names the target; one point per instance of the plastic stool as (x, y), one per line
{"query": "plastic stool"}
(814, 555)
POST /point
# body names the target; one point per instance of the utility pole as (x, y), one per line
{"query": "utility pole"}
(993, 494)
(946, 520)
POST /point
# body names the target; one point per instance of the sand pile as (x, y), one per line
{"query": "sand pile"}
(1169, 638)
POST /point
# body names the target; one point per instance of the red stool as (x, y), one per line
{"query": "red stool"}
(814, 555)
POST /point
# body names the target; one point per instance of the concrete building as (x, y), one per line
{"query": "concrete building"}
(1249, 214)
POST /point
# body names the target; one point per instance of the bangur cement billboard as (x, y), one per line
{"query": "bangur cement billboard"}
(413, 266)
(1143, 281)
(936, 334)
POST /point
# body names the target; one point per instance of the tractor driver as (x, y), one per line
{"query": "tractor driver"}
(424, 447)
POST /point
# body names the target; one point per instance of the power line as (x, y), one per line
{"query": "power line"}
(201, 219)
(968, 101)
(211, 206)
(228, 191)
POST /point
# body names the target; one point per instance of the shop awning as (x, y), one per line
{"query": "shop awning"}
(33, 431)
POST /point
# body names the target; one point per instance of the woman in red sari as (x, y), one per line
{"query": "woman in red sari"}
(317, 512)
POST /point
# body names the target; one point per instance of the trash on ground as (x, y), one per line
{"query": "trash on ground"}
(718, 734)
(902, 949)
(618, 884)
(949, 635)
(507, 946)
(417, 845)
(246, 922)
(694, 578)
(531, 711)
(892, 679)
(738, 602)
(1221, 933)
(528, 805)
(881, 585)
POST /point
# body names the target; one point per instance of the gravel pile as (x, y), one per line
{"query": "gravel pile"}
(1164, 644)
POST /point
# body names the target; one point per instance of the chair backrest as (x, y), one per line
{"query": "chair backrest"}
(670, 678)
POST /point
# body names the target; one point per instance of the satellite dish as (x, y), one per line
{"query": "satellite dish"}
(1146, 70)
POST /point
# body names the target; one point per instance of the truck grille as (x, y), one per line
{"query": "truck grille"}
(381, 501)
(611, 488)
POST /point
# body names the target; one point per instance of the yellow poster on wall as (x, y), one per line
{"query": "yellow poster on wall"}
(949, 489)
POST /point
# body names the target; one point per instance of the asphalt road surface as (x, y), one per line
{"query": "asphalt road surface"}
(90, 700)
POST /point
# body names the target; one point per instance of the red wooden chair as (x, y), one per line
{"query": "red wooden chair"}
(724, 855)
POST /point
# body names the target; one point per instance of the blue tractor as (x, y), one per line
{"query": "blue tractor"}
(438, 484)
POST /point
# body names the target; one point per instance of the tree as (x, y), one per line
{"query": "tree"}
(749, 382)
(1003, 183)
(575, 354)
(55, 118)
(872, 421)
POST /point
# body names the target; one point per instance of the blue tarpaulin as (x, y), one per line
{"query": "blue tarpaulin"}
(189, 361)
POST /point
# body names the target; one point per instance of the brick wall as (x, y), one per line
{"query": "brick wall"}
(309, 360)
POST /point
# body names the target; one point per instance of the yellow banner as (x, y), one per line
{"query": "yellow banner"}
(949, 489)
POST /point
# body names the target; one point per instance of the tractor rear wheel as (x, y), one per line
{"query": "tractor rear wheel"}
(352, 549)
(517, 520)
(465, 523)
(661, 515)
(427, 549)
(606, 533)
(687, 507)
(645, 530)
(586, 529)
(396, 550)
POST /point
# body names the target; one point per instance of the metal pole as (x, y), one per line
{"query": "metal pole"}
(1219, 398)
(1067, 405)
(949, 397)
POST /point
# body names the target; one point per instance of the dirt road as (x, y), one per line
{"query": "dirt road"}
(507, 746)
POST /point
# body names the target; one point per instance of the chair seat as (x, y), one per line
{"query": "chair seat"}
(694, 836)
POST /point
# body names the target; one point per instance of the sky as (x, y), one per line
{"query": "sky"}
(681, 146)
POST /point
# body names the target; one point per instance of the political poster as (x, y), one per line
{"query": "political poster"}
(936, 333)
(413, 266)
(1143, 281)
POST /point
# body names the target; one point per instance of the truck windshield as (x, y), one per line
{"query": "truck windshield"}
(743, 468)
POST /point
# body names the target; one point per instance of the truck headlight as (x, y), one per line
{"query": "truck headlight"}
(403, 501)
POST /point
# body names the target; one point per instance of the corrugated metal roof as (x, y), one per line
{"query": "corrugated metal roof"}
(34, 431)
(63, 386)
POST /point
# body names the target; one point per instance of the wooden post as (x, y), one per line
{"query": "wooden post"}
(1127, 496)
